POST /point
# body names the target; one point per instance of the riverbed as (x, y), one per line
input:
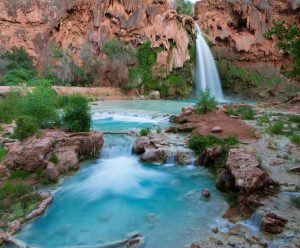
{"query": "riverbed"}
(115, 195)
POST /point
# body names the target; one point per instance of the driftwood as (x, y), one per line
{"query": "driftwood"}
(136, 239)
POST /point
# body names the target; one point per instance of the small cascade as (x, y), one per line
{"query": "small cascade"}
(207, 76)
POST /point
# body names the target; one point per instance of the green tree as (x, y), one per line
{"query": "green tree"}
(206, 102)
(77, 117)
(288, 40)
(185, 7)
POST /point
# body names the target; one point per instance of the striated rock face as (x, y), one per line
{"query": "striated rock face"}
(83, 27)
(54, 152)
(236, 27)
(252, 182)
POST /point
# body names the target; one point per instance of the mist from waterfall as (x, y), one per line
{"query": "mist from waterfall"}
(207, 75)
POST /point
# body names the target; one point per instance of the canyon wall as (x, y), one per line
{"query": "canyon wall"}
(236, 28)
(84, 26)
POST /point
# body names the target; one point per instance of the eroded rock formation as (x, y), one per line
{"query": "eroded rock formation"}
(53, 153)
(236, 27)
(83, 27)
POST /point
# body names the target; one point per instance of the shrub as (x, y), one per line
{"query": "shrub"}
(288, 40)
(13, 190)
(41, 104)
(19, 174)
(2, 152)
(185, 7)
(295, 138)
(264, 119)
(158, 129)
(144, 132)
(276, 127)
(116, 49)
(294, 118)
(77, 117)
(53, 158)
(206, 102)
(246, 113)
(9, 107)
(26, 126)
(199, 143)
(296, 201)
(17, 76)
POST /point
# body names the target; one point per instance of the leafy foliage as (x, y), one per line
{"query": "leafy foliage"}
(246, 113)
(185, 7)
(41, 105)
(2, 152)
(19, 174)
(277, 127)
(26, 126)
(77, 117)
(53, 158)
(206, 102)
(199, 143)
(288, 40)
(144, 132)
(295, 138)
(9, 107)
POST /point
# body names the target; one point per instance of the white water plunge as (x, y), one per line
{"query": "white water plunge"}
(207, 76)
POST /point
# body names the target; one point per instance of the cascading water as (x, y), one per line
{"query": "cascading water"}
(207, 76)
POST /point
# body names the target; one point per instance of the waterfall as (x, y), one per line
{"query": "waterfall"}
(207, 76)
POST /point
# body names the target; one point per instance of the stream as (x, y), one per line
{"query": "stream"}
(116, 195)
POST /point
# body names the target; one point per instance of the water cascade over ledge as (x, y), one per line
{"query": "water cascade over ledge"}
(207, 76)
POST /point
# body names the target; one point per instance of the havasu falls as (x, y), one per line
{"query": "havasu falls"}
(120, 127)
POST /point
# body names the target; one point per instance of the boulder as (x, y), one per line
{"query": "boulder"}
(183, 157)
(224, 180)
(209, 155)
(152, 141)
(272, 223)
(154, 156)
(205, 193)
(34, 152)
(154, 95)
(295, 168)
(216, 129)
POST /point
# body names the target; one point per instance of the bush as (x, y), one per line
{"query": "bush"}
(13, 190)
(77, 117)
(206, 102)
(295, 138)
(53, 158)
(17, 76)
(288, 40)
(199, 143)
(185, 7)
(246, 113)
(294, 118)
(276, 127)
(9, 107)
(296, 201)
(41, 104)
(19, 174)
(26, 126)
(144, 132)
(2, 152)
(265, 118)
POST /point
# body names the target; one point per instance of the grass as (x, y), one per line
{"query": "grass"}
(13, 190)
(144, 132)
(277, 127)
(22, 174)
(2, 152)
(53, 158)
(295, 138)
(199, 143)
(246, 113)
(296, 201)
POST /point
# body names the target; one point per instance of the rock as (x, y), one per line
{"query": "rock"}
(252, 182)
(216, 129)
(209, 155)
(152, 141)
(276, 161)
(215, 230)
(224, 180)
(194, 245)
(183, 157)
(272, 223)
(205, 193)
(154, 95)
(14, 227)
(34, 153)
(295, 168)
(154, 156)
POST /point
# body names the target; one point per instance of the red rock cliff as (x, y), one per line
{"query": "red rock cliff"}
(236, 27)
(87, 24)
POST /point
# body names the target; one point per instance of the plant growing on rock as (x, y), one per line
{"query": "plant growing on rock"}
(2, 152)
(206, 102)
(295, 138)
(185, 7)
(144, 132)
(276, 127)
(9, 107)
(77, 117)
(26, 126)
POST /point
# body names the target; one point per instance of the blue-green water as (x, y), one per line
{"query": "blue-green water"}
(116, 195)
